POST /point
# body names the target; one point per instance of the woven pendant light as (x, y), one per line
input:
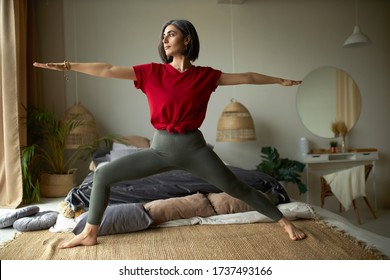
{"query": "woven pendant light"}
(235, 124)
(84, 134)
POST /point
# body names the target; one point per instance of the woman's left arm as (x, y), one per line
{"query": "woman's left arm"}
(228, 79)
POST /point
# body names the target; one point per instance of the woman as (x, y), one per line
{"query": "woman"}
(178, 93)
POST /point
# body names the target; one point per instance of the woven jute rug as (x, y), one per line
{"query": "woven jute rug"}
(262, 241)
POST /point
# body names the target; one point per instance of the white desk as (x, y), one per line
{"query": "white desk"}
(353, 157)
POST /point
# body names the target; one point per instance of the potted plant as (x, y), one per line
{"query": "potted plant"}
(57, 172)
(282, 169)
(57, 175)
(47, 168)
(333, 146)
(340, 129)
(30, 174)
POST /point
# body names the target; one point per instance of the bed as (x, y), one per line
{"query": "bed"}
(174, 215)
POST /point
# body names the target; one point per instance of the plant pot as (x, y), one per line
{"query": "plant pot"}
(57, 185)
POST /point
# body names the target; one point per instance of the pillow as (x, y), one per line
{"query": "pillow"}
(297, 210)
(120, 147)
(40, 221)
(134, 140)
(226, 204)
(63, 224)
(8, 219)
(118, 153)
(189, 206)
(118, 218)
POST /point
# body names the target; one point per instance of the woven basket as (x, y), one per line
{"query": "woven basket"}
(84, 134)
(235, 124)
(57, 185)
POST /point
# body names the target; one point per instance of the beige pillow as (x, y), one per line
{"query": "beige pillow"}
(226, 204)
(163, 210)
(136, 141)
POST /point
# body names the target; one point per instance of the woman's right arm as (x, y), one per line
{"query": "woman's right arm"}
(97, 69)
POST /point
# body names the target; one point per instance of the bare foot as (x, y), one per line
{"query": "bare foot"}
(88, 237)
(293, 232)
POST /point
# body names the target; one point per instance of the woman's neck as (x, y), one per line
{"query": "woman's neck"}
(181, 64)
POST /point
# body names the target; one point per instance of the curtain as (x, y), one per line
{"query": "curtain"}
(13, 92)
(347, 99)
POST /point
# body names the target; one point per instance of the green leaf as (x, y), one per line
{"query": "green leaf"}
(282, 169)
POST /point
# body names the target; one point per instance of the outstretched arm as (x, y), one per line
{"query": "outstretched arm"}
(97, 69)
(228, 79)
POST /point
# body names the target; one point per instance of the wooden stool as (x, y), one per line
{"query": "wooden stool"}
(326, 191)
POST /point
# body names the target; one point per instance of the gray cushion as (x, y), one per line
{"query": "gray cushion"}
(40, 221)
(119, 218)
(8, 219)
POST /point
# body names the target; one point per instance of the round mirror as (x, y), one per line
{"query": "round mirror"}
(326, 95)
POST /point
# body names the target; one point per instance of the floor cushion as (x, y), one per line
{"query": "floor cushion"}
(39, 221)
(119, 218)
(8, 219)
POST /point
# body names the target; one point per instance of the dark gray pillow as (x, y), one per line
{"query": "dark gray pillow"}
(40, 221)
(8, 219)
(119, 218)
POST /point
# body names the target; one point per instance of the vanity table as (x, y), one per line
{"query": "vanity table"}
(328, 94)
(323, 158)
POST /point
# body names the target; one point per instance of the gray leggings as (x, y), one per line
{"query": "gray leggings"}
(174, 151)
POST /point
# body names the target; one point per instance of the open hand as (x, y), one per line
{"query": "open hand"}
(51, 66)
(285, 82)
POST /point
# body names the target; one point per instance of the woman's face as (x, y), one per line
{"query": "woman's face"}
(174, 41)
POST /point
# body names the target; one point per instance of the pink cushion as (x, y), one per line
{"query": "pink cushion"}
(164, 210)
(226, 204)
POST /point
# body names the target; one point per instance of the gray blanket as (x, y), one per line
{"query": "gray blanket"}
(176, 183)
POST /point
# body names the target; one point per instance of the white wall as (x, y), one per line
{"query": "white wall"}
(280, 37)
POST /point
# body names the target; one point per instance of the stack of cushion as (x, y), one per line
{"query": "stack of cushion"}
(131, 217)
(28, 219)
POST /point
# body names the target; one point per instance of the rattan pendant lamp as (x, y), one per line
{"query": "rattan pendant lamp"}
(85, 133)
(235, 123)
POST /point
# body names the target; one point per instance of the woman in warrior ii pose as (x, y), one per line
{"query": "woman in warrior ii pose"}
(178, 93)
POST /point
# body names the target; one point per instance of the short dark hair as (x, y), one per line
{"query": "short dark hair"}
(188, 29)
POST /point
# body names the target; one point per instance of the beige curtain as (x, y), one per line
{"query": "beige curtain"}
(347, 99)
(13, 84)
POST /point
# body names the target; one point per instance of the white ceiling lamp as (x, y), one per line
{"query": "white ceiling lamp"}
(357, 38)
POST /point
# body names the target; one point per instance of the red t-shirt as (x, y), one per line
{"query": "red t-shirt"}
(177, 100)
